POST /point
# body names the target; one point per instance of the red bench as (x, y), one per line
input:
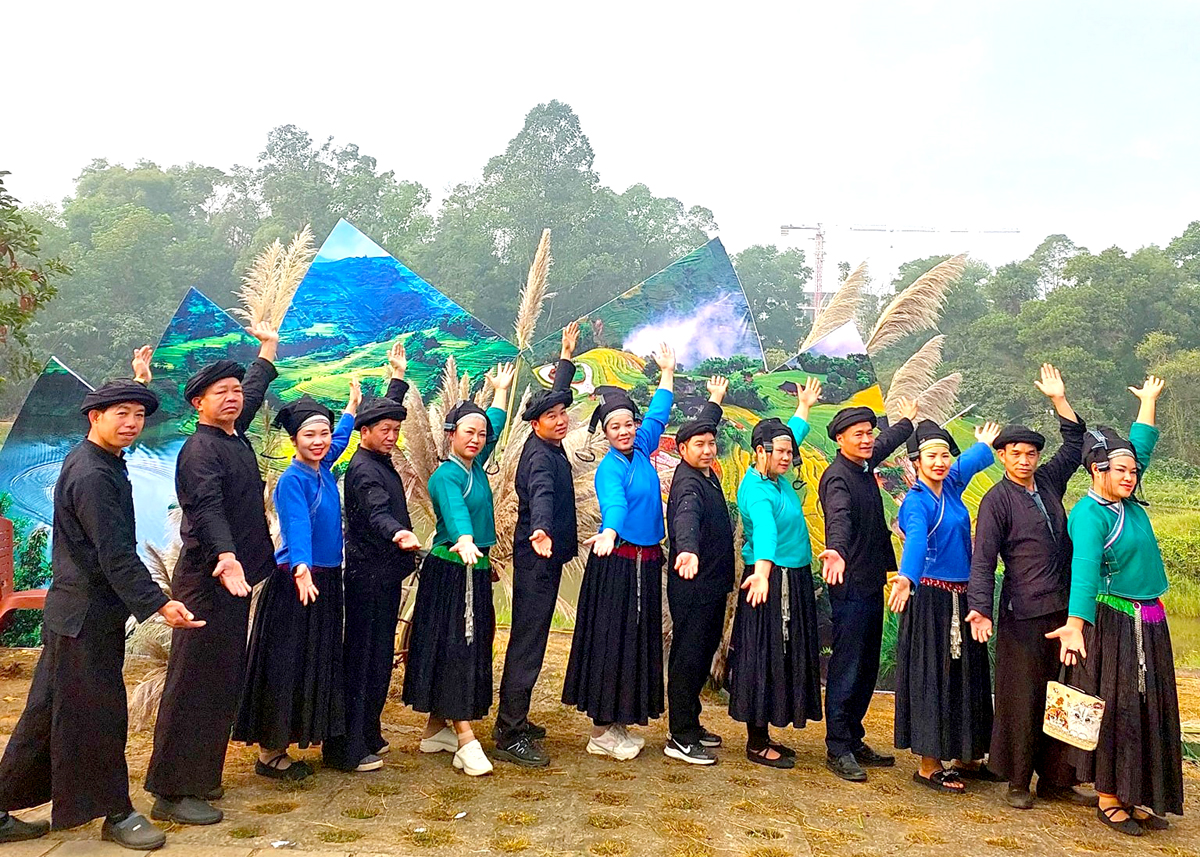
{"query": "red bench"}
(10, 600)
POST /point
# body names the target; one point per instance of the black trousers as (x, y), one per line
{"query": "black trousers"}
(69, 745)
(535, 593)
(205, 672)
(853, 669)
(695, 636)
(372, 601)
(1025, 661)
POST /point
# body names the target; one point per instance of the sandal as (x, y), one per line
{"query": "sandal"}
(1148, 820)
(982, 773)
(294, 772)
(759, 757)
(1128, 826)
(938, 779)
(786, 752)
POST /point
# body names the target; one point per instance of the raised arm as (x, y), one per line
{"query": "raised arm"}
(834, 493)
(684, 520)
(564, 371)
(654, 423)
(259, 376)
(1059, 469)
(894, 435)
(978, 458)
(1143, 434)
(369, 489)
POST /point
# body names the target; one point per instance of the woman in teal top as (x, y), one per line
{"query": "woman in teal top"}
(449, 669)
(774, 657)
(1117, 625)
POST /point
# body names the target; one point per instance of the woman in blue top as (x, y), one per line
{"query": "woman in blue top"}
(774, 656)
(293, 688)
(943, 677)
(615, 672)
(448, 674)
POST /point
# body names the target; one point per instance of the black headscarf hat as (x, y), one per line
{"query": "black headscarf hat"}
(293, 416)
(466, 409)
(767, 430)
(612, 399)
(119, 392)
(847, 417)
(543, 401)
(1101, 445)
(211, 374)
(692, 428)
(373, 410)
(929, 433)
(1019, 434)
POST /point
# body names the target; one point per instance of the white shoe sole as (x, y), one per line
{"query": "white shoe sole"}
(684, 757)
(369, 766)
(384, 750)
(621, 753)
(437, 744)
(471, 772)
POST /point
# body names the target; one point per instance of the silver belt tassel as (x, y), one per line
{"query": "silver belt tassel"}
(1141, 649)
(469, 609)
(638, 573)
(955, 629)
(785, 602)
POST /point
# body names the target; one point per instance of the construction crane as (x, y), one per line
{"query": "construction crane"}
(819, 247)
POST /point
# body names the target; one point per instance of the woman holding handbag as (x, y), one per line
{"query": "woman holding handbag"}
(1117, 626)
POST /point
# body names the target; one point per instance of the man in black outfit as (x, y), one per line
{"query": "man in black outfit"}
(857, 558)
(227, 548)
(380, 553)
(701, 537)
(1022, 520)
(545, 539)
(69, 745)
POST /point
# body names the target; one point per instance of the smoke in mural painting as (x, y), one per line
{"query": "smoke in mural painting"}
(716, 330)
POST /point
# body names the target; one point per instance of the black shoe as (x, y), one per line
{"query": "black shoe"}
(537, 733)
(868, 758)
(1019, 798)
(185, 810)
(710, 739)
(1067, 794)
(759, 757)
(12, 829)
(296, 771)
(215, 794)
(846, 767)
(522, 751)
(1129, 827)
(695, 754)
(134, 831)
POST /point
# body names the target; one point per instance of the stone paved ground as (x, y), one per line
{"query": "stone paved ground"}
(583, 805)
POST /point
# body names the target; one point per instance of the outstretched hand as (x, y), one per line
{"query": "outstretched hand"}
(229, 571)
(687, 564)
(398, 359)
(264, 332)
(810, 393)
(987, 432)
(900, 594)
(603, 543)
(907, 408)
(1070, 643)
(543, 545)
(1150, 390)
(833, 569)
(664, 356)
(981, 626)
(570, 341)
(355, 398)
(141, 364)
(178, 616)
(758, 587)
(406, 540)
(503, 375)
(1051, 384)
(717, 388)
(467, 550)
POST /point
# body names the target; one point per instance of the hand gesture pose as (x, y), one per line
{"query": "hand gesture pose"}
(603, 543)
(901, 592)
(1148, 395)
(502, 376)
(1051, 384)
(397, 360)
(1070, 642)
(981, 626)
(687, 564)
(304, 584)
(987, 432)
(757, 587)
(543, 545)
(664, 356)
(807, 396)
(717, 387)
(231, 575)
(355, 397)
(570, 341)
(141, 364)
(178, 616)
(466, 549)
(406, 540)
(907, 408)
(833, 569)
(268, 335)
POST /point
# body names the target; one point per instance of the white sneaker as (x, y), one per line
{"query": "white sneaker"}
(369, 763)
(444, 741)
(632, 737)
(470, 759)
(384, 750)
(613, 743)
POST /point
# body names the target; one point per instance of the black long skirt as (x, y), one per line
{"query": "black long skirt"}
(771, 680)
(943, 704)
(615, 672)
(293, 691)
(1139, 757)
(445, 674)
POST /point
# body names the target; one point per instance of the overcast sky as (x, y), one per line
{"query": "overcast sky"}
(1075, 117)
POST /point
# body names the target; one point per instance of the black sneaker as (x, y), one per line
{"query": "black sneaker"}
(134, 831)
(12, 829)
(185, 810)
(537, 733)
(710, 739)
(522, 751)
(695, 754)
(868, 758)
(846, 767)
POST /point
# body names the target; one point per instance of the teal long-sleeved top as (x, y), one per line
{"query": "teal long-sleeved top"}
(1132, 567)
(309, 508)
(462, 497)
(772, 513)
(941, 550)
(627, 487)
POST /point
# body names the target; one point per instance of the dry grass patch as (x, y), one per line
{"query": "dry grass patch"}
(605, 821)
(305, 785)
(764, 833)
(529, 795)
(617, 774)
(769, 851)
(682, 802)
(1174, 851)
(450, 794)
(611, 798)
(906, 813)
(924, 837)
(438, 811)
(509, 844)
(360, 812)
(516, 819)
(433, 837)
(681, 828)
(609, 848)
(744, 781)
(692, 849)
(1093, 845)
(245, 832)
(340, 835)
(676, 777)
(385, 789)
(1009, 843)
(274, 807)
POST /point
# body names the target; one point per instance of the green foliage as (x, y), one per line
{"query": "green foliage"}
(31, 570)
(774, 283)
(26, 285)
